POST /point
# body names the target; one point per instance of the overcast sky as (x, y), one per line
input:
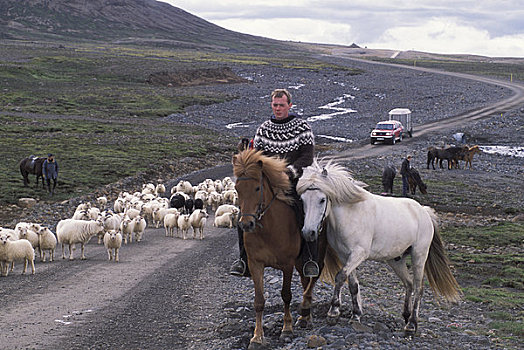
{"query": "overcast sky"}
(483, 27)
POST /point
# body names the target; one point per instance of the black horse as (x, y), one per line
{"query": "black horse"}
(388, 175)
(32, 165)
(415, 181)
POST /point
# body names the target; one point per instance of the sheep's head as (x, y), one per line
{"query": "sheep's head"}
(3, 238)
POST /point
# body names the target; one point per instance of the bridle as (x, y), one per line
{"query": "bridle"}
(320, 226)
(261, 210)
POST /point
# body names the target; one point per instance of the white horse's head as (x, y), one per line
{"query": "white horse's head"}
(316, 208)
(320, 187)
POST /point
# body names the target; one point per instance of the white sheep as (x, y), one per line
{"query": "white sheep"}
(148, 188)
(70, 231)
(139, 228)
(119, 205)
(11, 251)
(127, 227)
(102, 201)
(229, 196)
(170, 223)
(160, 213)
(111, 222)
(183, 224)
(28, 234)
(46, 241)
(112, 241)
(225, 220)
(93, 213)
(214, 200)
(132, 213)
(226, 208)
(81, 214)
(198, 220)
(183, 186)
(160, 189)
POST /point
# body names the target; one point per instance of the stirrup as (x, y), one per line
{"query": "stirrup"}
(238, 268)
(310, 269)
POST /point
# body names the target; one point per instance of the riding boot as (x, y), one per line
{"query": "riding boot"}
(239, 267)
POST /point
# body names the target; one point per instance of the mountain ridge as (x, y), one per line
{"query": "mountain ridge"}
(130, 21)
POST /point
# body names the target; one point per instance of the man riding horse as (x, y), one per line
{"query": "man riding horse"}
(287, 136)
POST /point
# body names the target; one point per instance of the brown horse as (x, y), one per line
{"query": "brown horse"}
(271, 235)
(32, 165)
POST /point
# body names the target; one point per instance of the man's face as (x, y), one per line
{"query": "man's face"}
(280, 107)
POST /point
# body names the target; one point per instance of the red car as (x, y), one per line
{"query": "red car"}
(388, 131)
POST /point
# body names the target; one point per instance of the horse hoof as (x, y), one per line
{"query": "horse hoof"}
(256, 346)
(286, 336)
(409, 330)
(332, 320)
(303, 323)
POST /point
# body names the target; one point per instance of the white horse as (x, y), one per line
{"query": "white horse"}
(361, 225)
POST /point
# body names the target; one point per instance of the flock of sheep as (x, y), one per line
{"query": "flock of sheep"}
(186, 208)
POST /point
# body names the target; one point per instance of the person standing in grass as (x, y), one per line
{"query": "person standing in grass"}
(50, 172)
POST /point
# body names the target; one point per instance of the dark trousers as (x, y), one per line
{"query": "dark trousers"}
(48, 180)
(405, 185)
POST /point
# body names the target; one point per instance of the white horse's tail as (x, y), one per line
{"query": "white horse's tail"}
(437, 270)
(332, 266)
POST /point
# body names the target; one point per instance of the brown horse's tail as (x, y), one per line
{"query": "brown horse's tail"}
(437, 269)
(332, 266)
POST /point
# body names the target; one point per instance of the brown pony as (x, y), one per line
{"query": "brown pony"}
(271, 235)
(468, 156)
(32, 165)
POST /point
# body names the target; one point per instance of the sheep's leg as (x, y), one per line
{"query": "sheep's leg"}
(33, 267)
(109, 254)
(52, 254)
(83, 257)
(70, 252)
(194, 232)
(12, 266)
(42, 256)
(63, 250)
(116, 255)
(25, 267)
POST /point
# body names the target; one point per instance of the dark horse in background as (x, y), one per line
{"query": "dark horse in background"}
(32, 165)
(415, 181)
(388, 175)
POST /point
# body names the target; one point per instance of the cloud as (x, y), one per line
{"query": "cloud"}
(446, 35)
(484, 27)
(294, 29)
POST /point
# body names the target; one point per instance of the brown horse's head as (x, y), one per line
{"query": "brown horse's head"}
(260, 180)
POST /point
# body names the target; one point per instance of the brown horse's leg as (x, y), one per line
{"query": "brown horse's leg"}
(287, 329)
(257, 274)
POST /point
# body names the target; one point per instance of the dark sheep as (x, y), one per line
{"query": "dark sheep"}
(199, 203)
(189, 206)
(177, 201)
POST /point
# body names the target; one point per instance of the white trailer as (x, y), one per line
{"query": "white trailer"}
(403, 115)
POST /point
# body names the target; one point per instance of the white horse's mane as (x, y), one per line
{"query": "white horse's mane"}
(333, 180)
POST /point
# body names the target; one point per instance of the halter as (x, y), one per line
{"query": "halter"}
(260, 211)
(320, 226)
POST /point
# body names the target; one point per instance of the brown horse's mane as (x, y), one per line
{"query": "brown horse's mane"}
(250, 163)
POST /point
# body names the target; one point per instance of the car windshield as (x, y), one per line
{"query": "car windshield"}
(384, 126)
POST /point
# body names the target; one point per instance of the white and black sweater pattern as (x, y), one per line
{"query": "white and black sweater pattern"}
(280, 138)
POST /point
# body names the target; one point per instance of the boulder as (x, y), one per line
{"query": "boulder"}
(26, 202)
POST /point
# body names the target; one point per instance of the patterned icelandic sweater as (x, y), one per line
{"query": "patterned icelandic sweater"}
(290, 138)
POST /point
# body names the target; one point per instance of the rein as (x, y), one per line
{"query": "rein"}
(320, 226)
(260, 211)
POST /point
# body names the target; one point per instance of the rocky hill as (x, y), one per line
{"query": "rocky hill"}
(117, 21)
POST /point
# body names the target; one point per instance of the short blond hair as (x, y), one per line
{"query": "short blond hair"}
(281, 93)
